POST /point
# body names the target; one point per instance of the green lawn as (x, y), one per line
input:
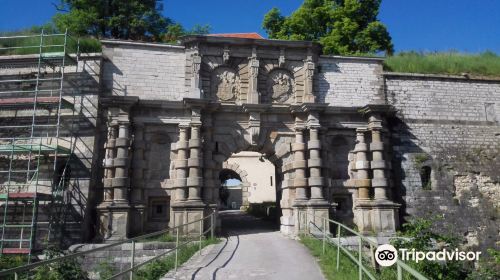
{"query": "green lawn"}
(486, 64)
(348, 270)
(159, 268)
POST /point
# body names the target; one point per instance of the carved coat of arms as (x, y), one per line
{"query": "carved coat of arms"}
(280, 86)
(225, 84)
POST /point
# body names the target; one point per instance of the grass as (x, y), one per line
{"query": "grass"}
(158, 268)
(30, 45)
(486, 64)
(348, 270)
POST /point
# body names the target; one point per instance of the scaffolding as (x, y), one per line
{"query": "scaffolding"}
(36, 142)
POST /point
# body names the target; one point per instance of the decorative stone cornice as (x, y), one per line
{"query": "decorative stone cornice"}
(384, 109)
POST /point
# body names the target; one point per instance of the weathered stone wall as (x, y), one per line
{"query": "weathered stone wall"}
(149, 71)
(451, 126)
(348, 81)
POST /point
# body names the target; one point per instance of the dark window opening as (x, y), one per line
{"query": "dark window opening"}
(425, 177)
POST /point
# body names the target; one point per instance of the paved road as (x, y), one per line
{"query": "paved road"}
(251, 249)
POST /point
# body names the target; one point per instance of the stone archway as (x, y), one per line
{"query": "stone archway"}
(243, 176)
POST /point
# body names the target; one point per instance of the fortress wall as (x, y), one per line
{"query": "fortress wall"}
(150, 71)
(452, 126)
(348, 81)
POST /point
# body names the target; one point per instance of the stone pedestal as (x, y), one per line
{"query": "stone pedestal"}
(377, 216)
(300, 218)
(317, 212)
(114, 222)
(184, 213)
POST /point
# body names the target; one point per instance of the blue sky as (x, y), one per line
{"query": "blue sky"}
(427, 25)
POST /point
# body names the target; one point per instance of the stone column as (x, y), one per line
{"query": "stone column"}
(309, 67)
(209, 164)
(378, 164)
(194, 180)
(299, 166)
(314, 162)
(362, 166)
(109, 169)
(121, 163)
(114, 212)
(195, 79)
(253, 94)
(138, 170)
(181, 165)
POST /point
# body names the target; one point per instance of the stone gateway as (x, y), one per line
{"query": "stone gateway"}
(347, 140)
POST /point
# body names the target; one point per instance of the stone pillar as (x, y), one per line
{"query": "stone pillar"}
(109, 169)
(318, 207)
(208, 164)
(299, 166)
(121, 163)
(195, 79)
(181, 165)
(314, 162)
(309, 67)
(253, 94)
(138, 177)
(378, 164)
(114, 211)
(362, 166)
(299, 182)
(194, 180)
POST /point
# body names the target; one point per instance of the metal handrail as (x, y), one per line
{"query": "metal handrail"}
(28, 267)
(400, 265)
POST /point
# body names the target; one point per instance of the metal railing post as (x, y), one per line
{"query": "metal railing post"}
(132, 260)
(212, 225)
(176, 247)
(324, 234)
(201, 233)
(338, 247)
(360, 260)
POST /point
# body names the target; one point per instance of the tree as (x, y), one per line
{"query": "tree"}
(342, 26)
(175, 31)
(121, 19)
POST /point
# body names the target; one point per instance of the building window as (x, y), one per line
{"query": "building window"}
(159, 209)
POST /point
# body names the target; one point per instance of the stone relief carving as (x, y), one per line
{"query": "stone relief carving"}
(280, 85)
(226, 83)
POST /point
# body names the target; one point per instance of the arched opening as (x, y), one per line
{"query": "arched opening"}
(230, 192)
(248, 183)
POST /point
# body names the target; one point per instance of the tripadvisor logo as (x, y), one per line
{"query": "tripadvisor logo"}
(387, 255)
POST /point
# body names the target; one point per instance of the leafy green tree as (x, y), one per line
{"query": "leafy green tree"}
(121, 19)
(175, 31)
(342, 26)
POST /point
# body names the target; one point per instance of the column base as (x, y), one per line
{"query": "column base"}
(318, 210)
(186, 212)
(380, 217)
(300, 219)
(113, 222)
